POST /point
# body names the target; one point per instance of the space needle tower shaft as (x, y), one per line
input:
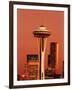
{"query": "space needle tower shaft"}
(42, 33)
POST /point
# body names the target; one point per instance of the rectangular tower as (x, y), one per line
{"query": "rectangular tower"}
(53, 54)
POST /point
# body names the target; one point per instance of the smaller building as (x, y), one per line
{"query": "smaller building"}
(33, 67)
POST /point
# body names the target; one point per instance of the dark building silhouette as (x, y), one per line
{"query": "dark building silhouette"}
(53, 54)
(52, 62)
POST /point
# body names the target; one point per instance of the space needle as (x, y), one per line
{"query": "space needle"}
(42, 34)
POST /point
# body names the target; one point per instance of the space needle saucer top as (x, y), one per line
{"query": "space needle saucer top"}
(41, 32)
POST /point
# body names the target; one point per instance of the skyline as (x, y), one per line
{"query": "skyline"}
(32, 68)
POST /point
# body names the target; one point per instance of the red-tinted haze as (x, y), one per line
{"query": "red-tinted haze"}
(28, 21)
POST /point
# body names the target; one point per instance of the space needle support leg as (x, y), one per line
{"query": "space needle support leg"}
(42, 57)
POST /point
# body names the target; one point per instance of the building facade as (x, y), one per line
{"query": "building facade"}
(33, 67)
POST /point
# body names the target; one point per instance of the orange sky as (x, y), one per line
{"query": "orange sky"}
(28, 21)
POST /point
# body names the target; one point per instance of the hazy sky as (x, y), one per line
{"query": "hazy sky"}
(28, 21)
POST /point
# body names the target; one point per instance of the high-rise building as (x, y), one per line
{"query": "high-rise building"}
(33, 67)
(52, 61)
(53, 57)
